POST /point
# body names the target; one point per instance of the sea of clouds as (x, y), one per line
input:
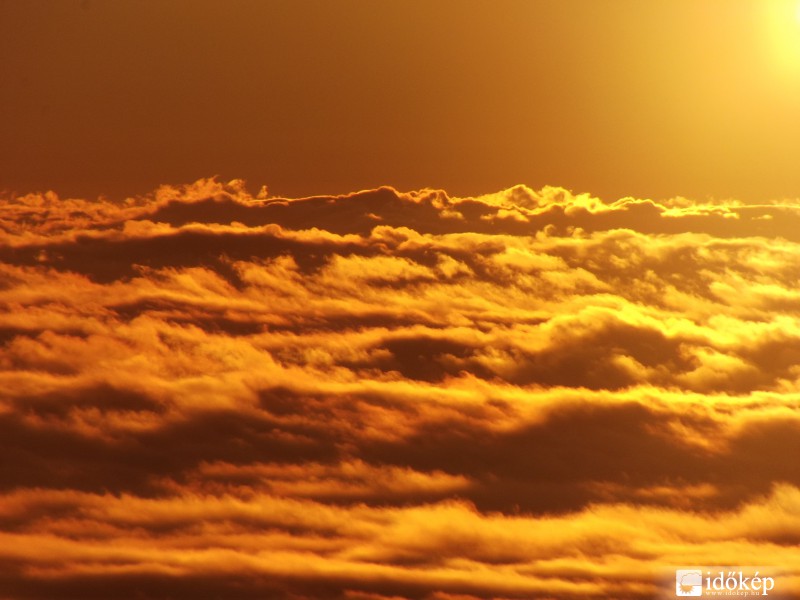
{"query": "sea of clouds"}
(206, 393)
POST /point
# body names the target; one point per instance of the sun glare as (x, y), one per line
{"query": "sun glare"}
(782, 36)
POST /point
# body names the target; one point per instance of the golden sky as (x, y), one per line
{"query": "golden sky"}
(517, 316)
(616, 97)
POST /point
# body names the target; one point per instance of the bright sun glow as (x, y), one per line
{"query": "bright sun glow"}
(782, 36)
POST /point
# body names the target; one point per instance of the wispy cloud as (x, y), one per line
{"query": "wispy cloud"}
(393, 395)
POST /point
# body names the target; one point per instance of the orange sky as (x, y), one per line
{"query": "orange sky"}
(425, 364)
(620, 97)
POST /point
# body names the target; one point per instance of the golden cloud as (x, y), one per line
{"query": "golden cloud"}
(394, 395)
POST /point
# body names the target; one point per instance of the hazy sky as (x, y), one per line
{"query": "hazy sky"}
(495, 379)
(614, 97)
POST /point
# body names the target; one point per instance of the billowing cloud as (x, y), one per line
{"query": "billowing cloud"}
(394, 395)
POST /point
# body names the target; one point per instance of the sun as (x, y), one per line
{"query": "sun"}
(781, 37)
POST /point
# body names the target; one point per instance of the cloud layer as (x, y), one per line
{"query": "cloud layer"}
(394, 395)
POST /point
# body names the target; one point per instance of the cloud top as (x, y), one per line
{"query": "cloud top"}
(393, 394)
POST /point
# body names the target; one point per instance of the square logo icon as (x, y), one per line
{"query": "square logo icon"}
(688, 582)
